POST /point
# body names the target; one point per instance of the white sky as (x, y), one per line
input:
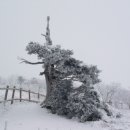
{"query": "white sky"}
(98, 31)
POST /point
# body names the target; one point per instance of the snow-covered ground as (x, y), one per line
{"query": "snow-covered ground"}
(29, 116)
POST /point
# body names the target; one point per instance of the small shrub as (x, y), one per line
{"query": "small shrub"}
(119, 115)
(84, 103)
(105, 107)
(95, 116)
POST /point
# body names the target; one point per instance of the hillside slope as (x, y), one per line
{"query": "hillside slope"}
(29, 116)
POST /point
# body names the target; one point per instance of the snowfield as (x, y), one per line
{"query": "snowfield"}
(29, 116)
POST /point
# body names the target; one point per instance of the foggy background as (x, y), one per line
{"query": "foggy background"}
(97, 31)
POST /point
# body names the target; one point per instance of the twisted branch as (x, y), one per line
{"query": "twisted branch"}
(28, 62)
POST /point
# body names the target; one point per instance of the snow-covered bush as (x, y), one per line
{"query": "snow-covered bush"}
(83, 103)
(105, 107)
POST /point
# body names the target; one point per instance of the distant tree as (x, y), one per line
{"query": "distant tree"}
(108, 92)
(127, 100)
(12, 80)
(34, 84)
(0, 80)
(60, 70)
(34, 81)
(3, 81)
(128, 103)
(20, 80)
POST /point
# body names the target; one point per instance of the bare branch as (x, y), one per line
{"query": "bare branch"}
(43, 35)
(28, 62)
(42, 73)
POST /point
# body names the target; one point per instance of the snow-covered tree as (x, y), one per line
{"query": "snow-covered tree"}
(109, 92)
(61, 68)
(20, 80)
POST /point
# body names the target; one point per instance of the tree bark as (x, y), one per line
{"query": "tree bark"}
(48, 86)
(48, 89)
(48, 70)
(48, 81)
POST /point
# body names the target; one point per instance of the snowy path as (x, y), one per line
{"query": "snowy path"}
(29, 116)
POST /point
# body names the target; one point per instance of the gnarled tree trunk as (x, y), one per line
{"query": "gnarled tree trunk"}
(48, 86)
(48, 79)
